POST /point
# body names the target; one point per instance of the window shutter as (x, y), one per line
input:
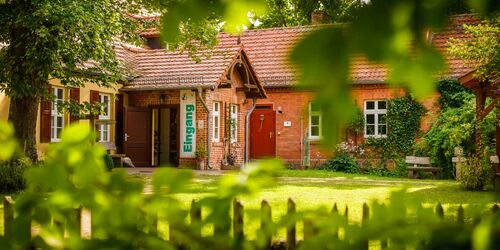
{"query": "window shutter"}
(45, 119)
(74, 95)
(94, 97)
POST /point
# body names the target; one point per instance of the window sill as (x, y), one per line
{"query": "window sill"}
(314, 140)
(375, 136)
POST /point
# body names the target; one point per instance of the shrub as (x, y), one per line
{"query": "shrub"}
(342, 163)
(474, 174)
(12, 174)
(380, 171)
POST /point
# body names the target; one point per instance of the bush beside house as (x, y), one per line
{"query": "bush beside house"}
(12, 174)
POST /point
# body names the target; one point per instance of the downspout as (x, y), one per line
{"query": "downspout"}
(209, 146)
(247, 129)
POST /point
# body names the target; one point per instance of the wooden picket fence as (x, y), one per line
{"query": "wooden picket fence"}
(238, 220)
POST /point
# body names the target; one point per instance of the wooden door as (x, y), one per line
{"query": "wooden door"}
(137, 136)
(263, 133)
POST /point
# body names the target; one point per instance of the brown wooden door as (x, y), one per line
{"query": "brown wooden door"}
(262, 133)
(137, 136)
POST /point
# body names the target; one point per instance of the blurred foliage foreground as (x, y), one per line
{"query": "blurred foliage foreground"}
(73, 176)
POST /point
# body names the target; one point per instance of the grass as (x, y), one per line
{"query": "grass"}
(311, 189)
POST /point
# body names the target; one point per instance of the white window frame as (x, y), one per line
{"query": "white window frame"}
(55, 134)
(234, 123)
(216, 117)
(376, 112)
(320, 125)
(105, 129)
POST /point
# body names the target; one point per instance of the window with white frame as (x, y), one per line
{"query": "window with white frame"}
(57, 118)
(375, 118)
(315, 121)
(216, 122)
(234, 123)
(104, 129)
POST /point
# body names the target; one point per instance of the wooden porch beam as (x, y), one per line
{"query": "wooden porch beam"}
(490, 107)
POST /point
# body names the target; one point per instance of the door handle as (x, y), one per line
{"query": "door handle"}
(270, 135)
(126, 137)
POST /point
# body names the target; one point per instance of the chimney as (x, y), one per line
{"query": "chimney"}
(320, 17)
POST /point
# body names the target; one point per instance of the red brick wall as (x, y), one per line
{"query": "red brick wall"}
(289, 140)
(294, 106)
(226, 96)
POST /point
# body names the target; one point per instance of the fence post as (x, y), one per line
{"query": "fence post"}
(346, 213)
(291, 231)
(154, 223)
(494, 209)
(238, 220)
(366, 216)
(460, 215)
(265, 219)
(8, 215)
(195, 214)
(366, 212)
(335, 210)
(439, 211)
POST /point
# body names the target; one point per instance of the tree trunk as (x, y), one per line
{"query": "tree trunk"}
(480, 102)
(23, 114)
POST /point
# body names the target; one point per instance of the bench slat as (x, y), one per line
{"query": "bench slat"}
(424, 168)
(418, 160)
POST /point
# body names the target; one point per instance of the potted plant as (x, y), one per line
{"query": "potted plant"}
(201, 156)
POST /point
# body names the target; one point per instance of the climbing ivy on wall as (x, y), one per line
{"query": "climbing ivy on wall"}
(403, 119)
(404, 115)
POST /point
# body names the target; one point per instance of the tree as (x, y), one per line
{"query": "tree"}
(68, 40)
(71, 40)
(287, 13)
(482, 51)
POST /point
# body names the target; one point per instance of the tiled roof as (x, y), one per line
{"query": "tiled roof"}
(268, 51)
(456, 67)
(163, 69)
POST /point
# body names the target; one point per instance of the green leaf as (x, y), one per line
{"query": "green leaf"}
(323, 59)
(236, 13)
(168, 180)
(8, 143)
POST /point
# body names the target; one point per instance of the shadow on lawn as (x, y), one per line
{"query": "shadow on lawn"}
(453, 195)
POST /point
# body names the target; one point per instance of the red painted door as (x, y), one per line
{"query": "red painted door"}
(262, 133)
(137, 136)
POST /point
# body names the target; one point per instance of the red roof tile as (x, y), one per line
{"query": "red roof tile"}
(456, 67)
(268, 51)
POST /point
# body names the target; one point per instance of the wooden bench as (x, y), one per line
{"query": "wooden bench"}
(420, 164)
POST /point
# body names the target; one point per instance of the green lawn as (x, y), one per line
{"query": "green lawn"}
(312, 189)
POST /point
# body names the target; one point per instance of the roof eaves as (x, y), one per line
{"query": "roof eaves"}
(164, 88)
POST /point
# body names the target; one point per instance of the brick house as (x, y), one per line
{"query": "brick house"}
(241, 103)
(284, 123)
